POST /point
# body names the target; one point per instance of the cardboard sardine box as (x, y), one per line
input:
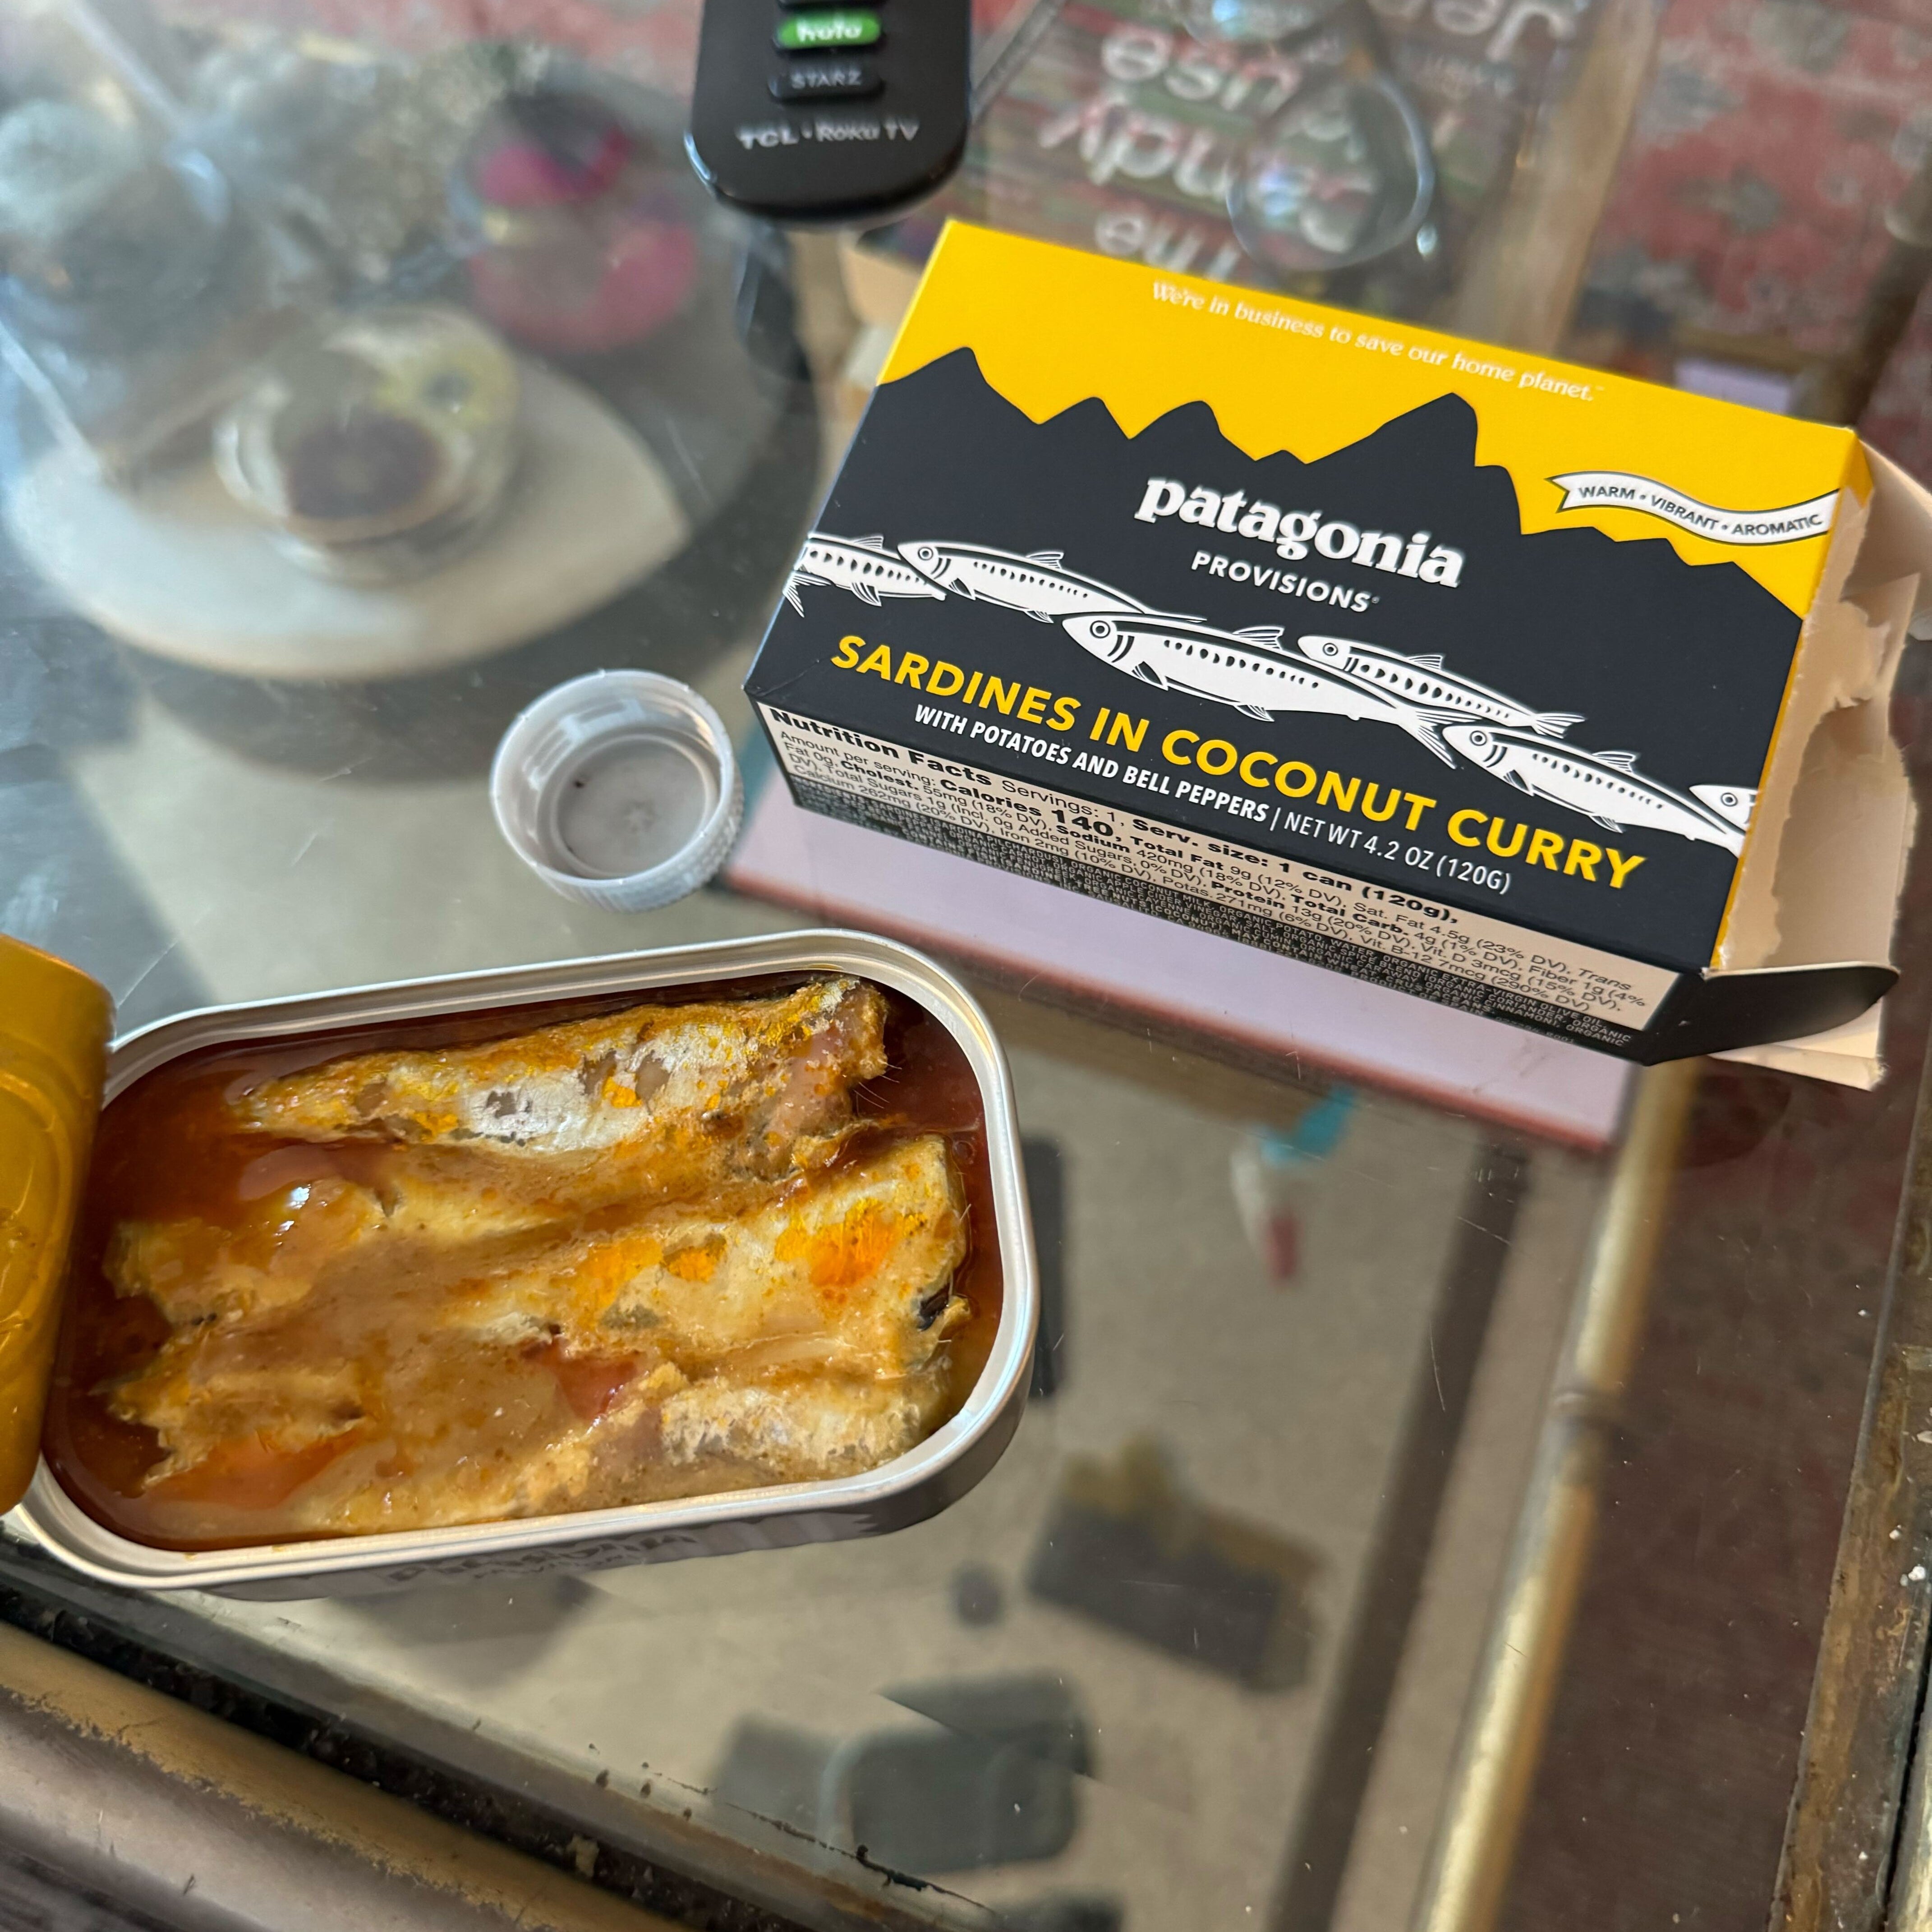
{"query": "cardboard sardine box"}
(1533, 690)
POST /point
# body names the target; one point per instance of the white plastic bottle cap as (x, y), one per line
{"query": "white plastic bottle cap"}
(620, 789)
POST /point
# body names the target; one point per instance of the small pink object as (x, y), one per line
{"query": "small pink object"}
(579, 245)
(527, 174)
(1281, 1244)
(641, 279)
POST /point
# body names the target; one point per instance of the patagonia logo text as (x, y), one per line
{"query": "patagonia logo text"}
(1293, 533)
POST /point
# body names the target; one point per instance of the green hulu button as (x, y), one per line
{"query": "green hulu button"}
(840, 27)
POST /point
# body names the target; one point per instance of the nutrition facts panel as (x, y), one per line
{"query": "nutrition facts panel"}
(1222, 887)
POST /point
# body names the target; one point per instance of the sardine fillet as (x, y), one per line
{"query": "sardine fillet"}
(676, 1080)
(654, 1103)
(847, 1276)
(669, 1439)
(285, 1409)
(195, 1271)
(850, 1271)
(801, 1432)
(409, 1224)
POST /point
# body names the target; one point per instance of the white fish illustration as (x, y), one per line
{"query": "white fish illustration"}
(1248, 669)
(861, 564)
(1039, 583)
(1730, 801)
(1423, 680)
(1606, 786)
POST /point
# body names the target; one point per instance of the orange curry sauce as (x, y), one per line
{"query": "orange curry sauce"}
(168, 1149)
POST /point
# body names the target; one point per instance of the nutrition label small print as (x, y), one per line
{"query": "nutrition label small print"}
(1401, 925)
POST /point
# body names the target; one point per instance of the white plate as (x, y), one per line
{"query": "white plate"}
(177, 568)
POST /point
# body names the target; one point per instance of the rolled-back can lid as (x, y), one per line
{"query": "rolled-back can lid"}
(54, 1025)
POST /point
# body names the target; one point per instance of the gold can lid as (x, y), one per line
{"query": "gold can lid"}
(54, 1027)
(45, 1001)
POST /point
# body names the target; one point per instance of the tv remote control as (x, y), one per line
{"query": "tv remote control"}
(819, 110)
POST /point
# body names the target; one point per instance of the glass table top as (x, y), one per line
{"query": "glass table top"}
(1208, 1646)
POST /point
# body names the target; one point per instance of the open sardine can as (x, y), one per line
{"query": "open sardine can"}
(62, 1074)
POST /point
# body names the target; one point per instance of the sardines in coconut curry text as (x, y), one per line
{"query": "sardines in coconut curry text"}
(478, 1270)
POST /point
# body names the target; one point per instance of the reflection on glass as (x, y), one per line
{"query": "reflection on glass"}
(133, 287)
(379, 451)
(579, 245)
(104, 236)
(988, 1779)
(1129, 1546)
(345, 143)
(1342, 176)
(1252, 20)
